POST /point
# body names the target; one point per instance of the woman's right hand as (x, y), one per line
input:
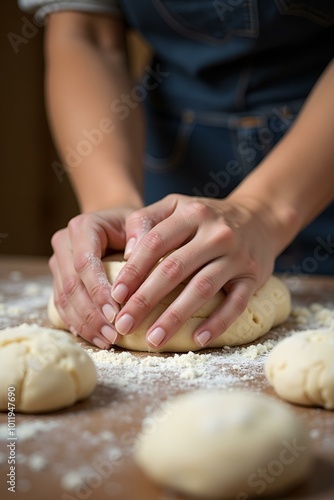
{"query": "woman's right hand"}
(82, 293)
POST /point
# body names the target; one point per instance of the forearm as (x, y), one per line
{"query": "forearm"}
(295, 182)
(102, 152)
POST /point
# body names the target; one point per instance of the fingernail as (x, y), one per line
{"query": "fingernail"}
(129, 247)
(120, 293)
(109, 333)
(157, 336)
(124, 324)
(99, 343)
(203, 338)
(109, 312)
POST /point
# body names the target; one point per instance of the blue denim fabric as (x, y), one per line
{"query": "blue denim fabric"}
(208, 154)
(234, 74)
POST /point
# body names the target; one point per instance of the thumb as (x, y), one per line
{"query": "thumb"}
(140, 222)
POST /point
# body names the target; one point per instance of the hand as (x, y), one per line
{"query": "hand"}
(82, 293)
(230, 244)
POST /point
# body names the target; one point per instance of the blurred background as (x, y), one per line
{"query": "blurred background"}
(34, 200)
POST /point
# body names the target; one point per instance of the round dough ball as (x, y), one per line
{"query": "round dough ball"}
(301, 368)
(225, 445)
(47, 368)
(268, 307)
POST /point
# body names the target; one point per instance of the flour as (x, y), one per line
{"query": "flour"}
(314, 316)
(130, 387)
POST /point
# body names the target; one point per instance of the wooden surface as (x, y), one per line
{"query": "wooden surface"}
(95, 438)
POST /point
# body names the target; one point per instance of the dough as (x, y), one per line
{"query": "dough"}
(225, 445)
(269, 306)
(301, 368)
(47, 368)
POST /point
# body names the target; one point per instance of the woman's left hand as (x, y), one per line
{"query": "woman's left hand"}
(229, 243)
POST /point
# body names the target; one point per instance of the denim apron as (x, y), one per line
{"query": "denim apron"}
(226, 81)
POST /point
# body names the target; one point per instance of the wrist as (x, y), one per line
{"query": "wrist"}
(280, 221)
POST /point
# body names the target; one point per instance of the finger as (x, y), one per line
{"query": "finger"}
(73, 302)
(239, 293)
(140, 222)
(69, 315)
(192, 301)
(88, 241)
(172, 271)
(166, 236)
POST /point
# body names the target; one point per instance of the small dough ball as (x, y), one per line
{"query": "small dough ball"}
(268, 307)
(47, 368)
(301, 368)
(225, 445)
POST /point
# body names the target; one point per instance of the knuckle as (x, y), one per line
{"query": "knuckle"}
(81, 262)
(153, 241)
(85, 332)
(99, 293)
(61, 301)
(141, 302)
(71, 285)
(175, 318)
(223, 235)
(173, 269)
(240, 303)
(221, 325)
(205, 287)
(198, 210)
(136, 216)
(57, 238)
(89, 315)
(130, 273)
(78, 221)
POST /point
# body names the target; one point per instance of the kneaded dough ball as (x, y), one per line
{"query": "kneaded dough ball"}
(301, 368)
(47, 368)
(225, 445)
(269, 306)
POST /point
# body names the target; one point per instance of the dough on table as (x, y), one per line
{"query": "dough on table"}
(225, 445)
(269, 306)
(301, 368)
(47, 368)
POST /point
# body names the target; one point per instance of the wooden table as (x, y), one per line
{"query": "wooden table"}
(93, 440)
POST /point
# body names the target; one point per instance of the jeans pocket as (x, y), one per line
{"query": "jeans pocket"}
(318, 11)
(210, 21)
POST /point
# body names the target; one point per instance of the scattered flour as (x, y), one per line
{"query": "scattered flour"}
(130, 387)
(314, 316)
(37, 462)
(29, 430)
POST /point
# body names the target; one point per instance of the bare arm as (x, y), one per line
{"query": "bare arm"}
(86, 73)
